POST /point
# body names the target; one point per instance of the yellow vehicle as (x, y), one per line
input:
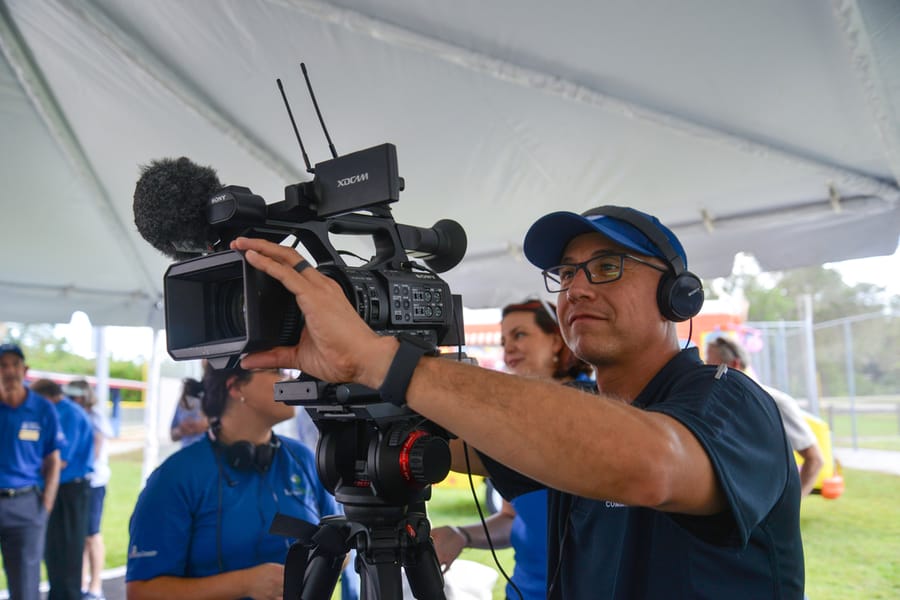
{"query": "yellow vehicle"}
(830, 483)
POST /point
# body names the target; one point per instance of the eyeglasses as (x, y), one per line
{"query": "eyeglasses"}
(605, 268)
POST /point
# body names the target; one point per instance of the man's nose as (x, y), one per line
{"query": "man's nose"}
(579, 286)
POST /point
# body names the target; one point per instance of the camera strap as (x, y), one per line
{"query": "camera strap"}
(393, 388)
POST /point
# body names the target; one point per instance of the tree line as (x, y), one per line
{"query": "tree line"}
(876, 341)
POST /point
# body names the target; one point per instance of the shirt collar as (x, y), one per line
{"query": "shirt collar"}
(654, 392)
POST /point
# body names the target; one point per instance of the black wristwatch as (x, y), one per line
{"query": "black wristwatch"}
(393, 388)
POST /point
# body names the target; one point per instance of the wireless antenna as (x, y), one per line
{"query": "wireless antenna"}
(334, 153)
(287, 105)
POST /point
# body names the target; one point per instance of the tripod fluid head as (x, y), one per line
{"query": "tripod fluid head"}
(379, 461)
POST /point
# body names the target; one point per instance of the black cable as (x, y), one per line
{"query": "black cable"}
(484, 526)
(562, 544)
(690, 333)
(219, 557)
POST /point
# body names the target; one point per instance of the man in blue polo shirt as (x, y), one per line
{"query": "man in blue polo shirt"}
(674, 480)
(67, 527)
(29, 474)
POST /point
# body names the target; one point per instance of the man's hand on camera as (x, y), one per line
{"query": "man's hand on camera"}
(336, 345)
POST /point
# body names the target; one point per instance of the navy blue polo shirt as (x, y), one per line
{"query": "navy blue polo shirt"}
(28, 434)
(603, 549)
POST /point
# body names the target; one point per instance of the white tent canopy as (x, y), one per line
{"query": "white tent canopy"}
(769, 127)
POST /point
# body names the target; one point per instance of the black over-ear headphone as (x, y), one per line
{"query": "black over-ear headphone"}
(680, 292)
(244, 456)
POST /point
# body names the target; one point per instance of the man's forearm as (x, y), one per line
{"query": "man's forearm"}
(809, 470)
(576, 442)
(500, 527)
(223, 586)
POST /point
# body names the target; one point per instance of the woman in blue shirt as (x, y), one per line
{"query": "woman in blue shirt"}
(200, 526)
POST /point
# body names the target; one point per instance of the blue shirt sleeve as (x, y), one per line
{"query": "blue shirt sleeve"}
(79, 450)
(739, 427)
(87, 441)
(178, 417)
(160, 527)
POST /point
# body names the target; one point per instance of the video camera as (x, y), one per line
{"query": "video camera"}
(218, 307)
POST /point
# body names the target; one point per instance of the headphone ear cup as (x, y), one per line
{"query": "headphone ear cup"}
(264, 455)
(240, 456)
(244, 456)
(680, 297)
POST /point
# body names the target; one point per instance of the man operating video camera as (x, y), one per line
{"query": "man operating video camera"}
(674, 481)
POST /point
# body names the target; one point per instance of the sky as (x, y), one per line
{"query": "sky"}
(880, 270)
(129, 343)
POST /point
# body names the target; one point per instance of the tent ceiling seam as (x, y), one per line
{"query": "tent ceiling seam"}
(143, 57)
(40, 95)
(523, 76)
(851, 207)
(864, 59)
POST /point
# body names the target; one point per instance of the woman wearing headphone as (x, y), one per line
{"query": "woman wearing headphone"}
(533, 347)
(200, 526)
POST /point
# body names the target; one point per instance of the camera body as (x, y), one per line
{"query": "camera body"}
(218, 307)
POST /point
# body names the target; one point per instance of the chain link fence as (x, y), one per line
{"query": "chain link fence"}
(847, 371)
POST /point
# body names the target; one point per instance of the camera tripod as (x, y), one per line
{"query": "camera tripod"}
(383, 545)
(381, 471)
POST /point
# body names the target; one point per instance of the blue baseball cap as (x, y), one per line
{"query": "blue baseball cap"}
(546, 240)
(14, 348)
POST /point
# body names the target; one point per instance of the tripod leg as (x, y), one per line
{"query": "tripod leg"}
(424, 573)
(321, 577)
(379, 581)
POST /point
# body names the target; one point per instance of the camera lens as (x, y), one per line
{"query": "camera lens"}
(228, 309)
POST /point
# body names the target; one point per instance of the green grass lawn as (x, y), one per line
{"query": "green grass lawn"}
(879, 431)
(121, 494)
(852, 544)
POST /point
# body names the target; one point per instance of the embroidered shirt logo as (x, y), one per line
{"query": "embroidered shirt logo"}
(297, 488)
(135, 553)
